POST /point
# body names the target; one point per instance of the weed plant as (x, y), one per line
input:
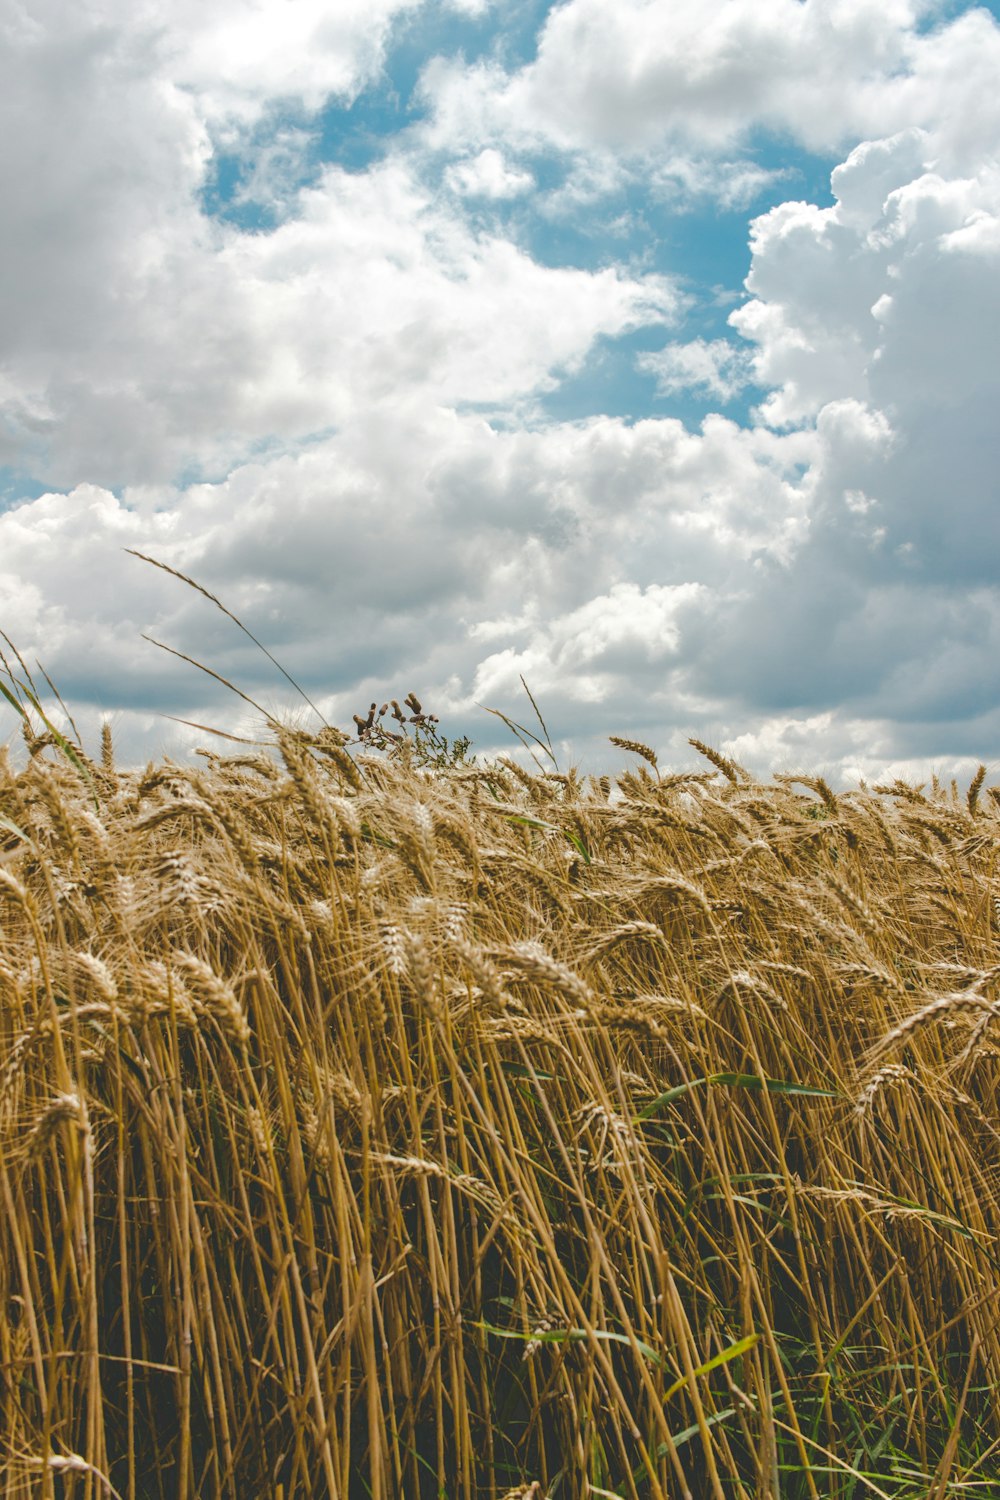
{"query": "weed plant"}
(384, 1124)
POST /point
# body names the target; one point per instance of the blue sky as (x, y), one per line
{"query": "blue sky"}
(639, 349)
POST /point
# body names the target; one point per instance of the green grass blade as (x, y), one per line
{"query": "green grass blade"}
(742, 1346)
(14, 702)
(62, 742)
(685, 1437)
(9, 823)
(752, 1081)
(578, 845)
(692, 1432)
(543, 827)
(662, 1100)
(577, 1336)
(530, 822)
(518, 1070)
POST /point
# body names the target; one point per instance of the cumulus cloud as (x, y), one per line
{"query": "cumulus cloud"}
(336, 424)
(184, 345)
(871, 320)
(583, 552)
(631, 77)
(877, 313)
(617, 636)
(236, 56)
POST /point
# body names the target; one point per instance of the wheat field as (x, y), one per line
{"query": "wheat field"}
(377, 1125)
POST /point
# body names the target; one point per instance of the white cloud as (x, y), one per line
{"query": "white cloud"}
(686, 179)
(816, 587)
(414, 548)
(237, 55)
(873, 320)
(183, 345)
(713, 365)
(637, 77)
(487, 176)
(679, 179)
(469, 7)
(887, 297)
(587, 652)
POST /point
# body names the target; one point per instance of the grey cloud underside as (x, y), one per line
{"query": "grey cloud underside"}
(817, 586)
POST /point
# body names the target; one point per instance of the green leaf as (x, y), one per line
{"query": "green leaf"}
(63, 744)
(733, 1352)
(690, 1432)
(662, 1100)
(751, 1081)
(370, 836)
(577, 1336)
(578, 845)
(518, 1070)
(9, 823)
(14, 703)
(70, 754)
(685, 1437)
(544, 827)
(945, 1220)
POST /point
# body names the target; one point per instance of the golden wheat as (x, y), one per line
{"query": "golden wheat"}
(370, 1131)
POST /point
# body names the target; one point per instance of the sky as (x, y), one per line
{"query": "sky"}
(645, 350)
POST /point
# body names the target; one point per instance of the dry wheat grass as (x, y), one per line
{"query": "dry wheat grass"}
(371, 1133)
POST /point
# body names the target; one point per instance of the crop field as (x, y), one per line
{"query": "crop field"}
(377, 1124)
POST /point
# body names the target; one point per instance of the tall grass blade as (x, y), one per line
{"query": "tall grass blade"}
(742, 1346)
(183, 577)
(751, 1081)
(217, 677)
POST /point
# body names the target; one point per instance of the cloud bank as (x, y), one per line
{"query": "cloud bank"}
(339, 417)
